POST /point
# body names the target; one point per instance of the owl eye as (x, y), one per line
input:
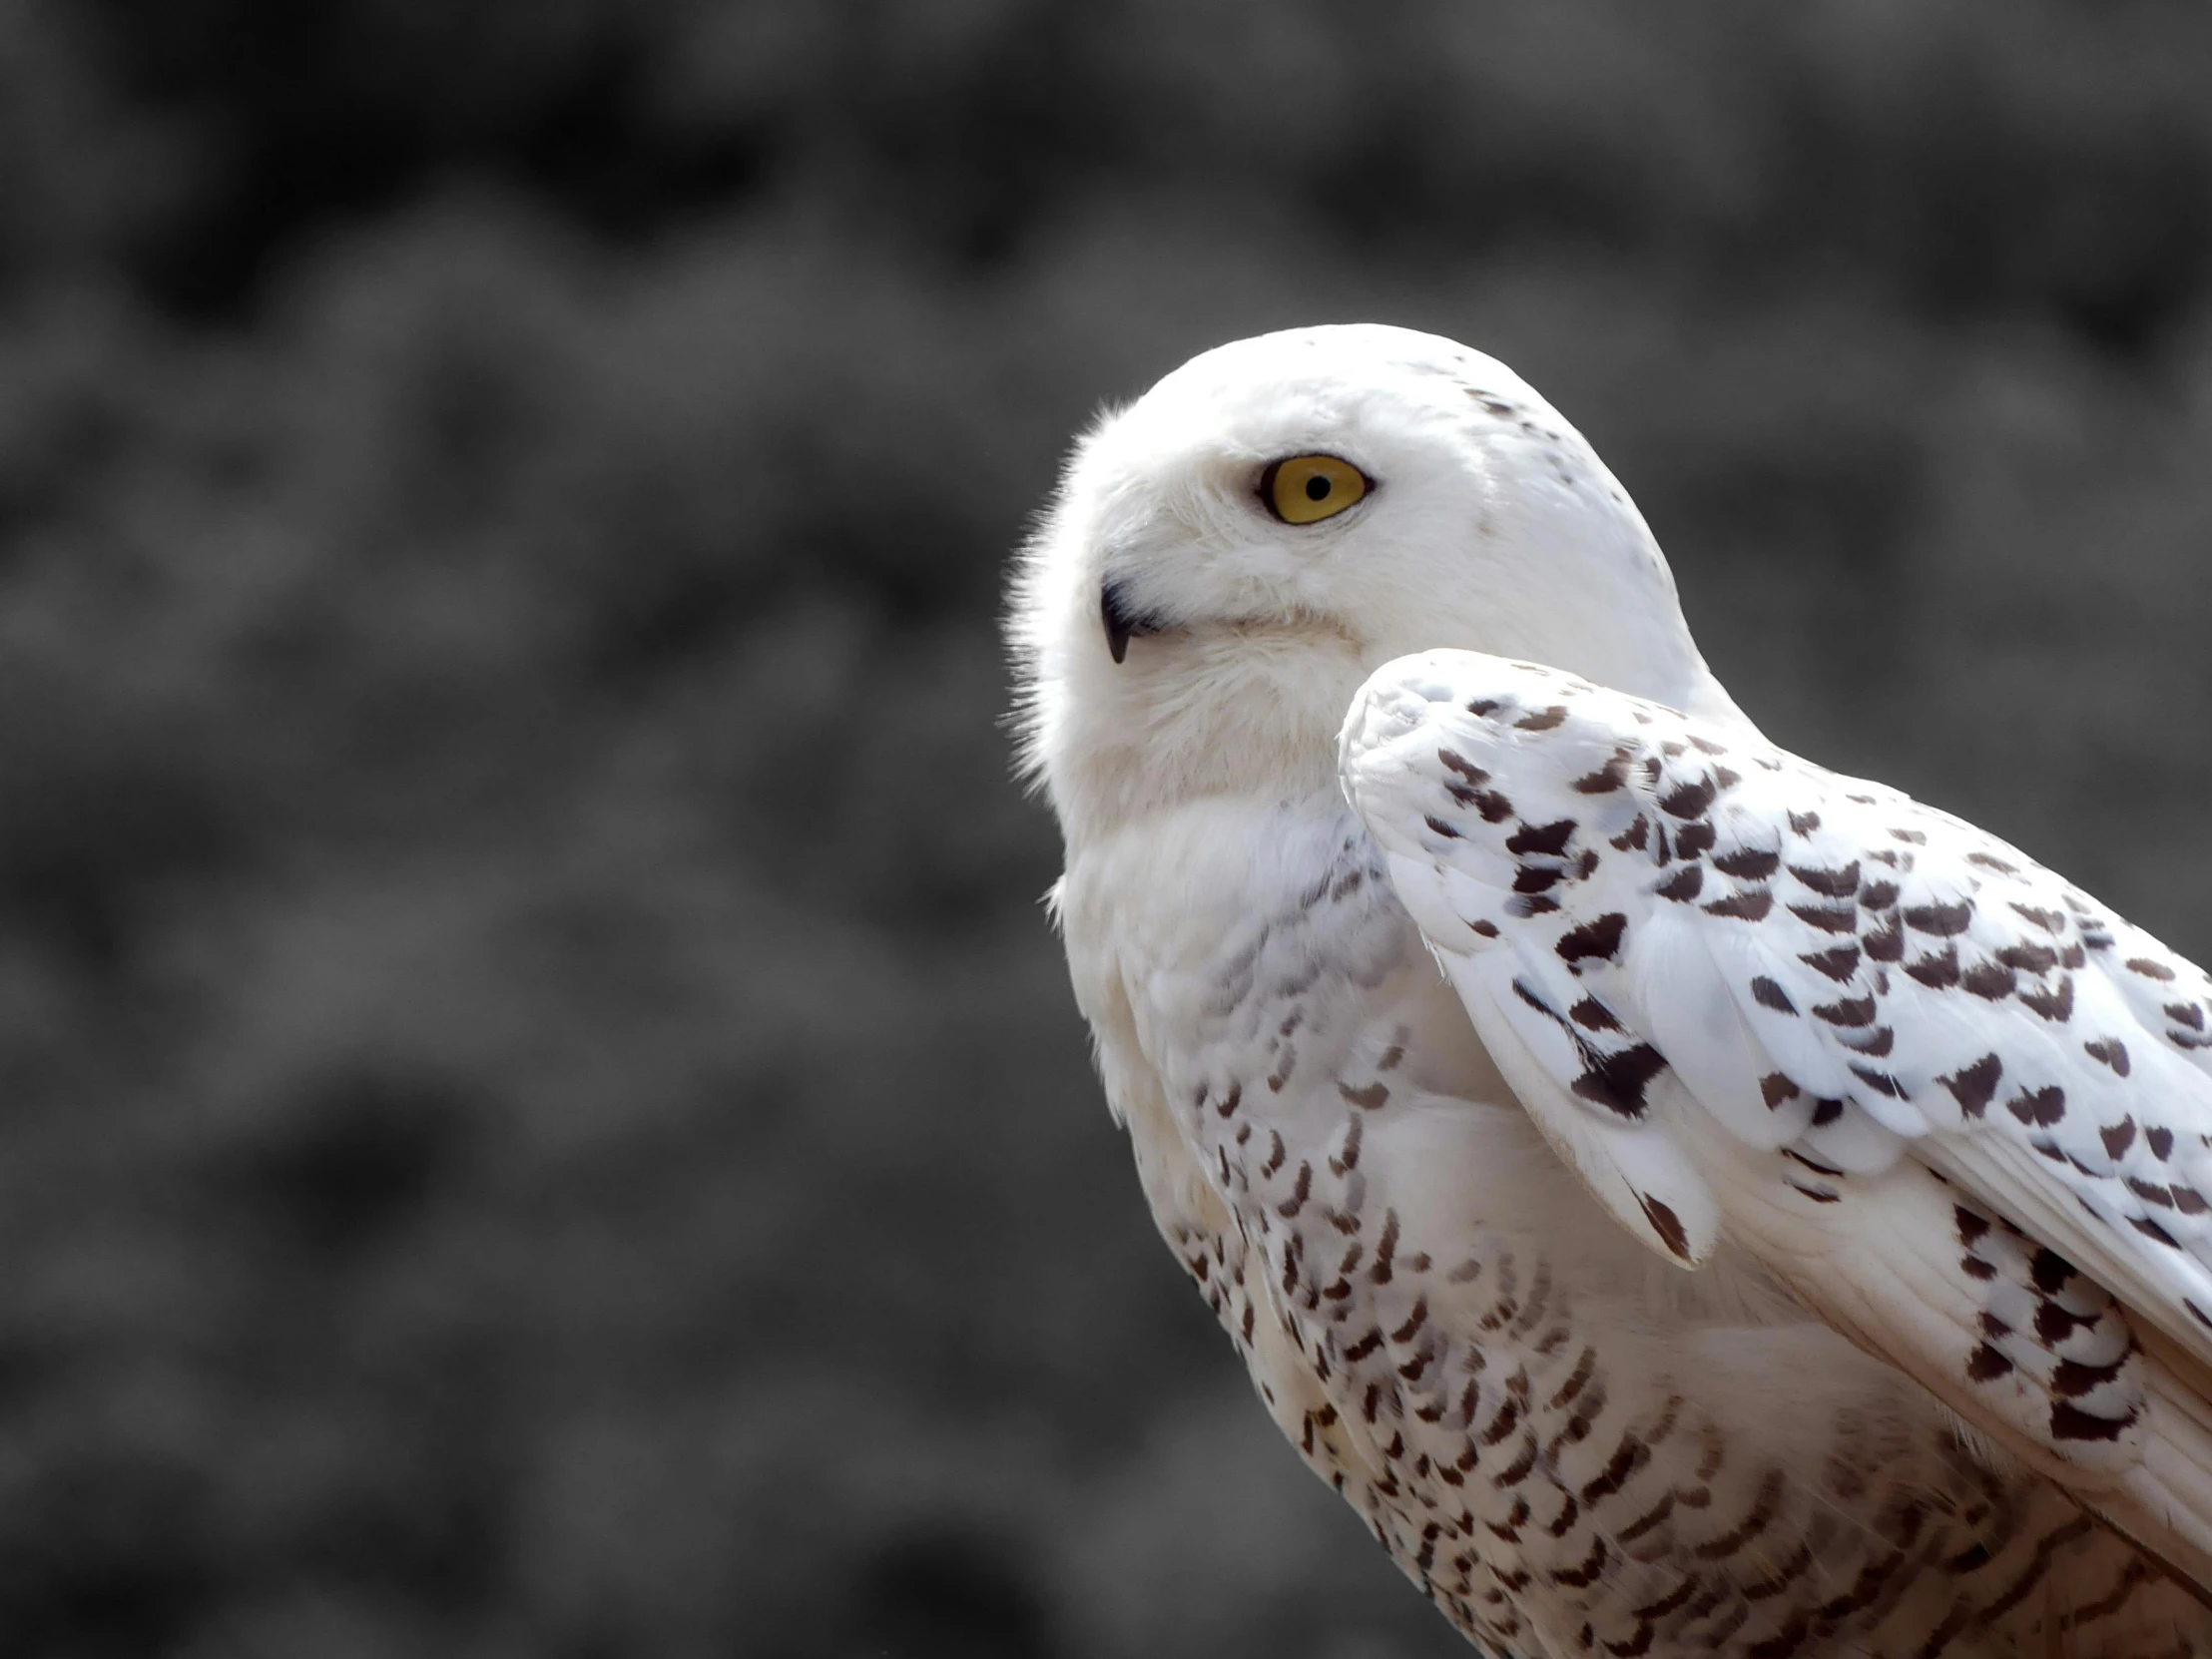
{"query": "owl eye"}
(1303, 489)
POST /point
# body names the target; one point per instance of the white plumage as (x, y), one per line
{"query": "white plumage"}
(1930, 1126)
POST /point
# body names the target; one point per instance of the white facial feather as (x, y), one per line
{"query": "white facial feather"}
(1490, 524)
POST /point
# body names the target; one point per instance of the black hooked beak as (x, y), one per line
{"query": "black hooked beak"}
(1122, 621)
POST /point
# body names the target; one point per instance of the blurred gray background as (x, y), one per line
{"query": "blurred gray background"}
(541, 1115)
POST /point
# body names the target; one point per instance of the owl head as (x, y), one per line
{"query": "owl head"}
(1228, 557)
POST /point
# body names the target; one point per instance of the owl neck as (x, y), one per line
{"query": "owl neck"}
(1206, 714)
(1246, 713)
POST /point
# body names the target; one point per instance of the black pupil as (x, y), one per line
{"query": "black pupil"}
(1317, 488)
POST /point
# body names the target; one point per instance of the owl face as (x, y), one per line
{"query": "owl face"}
(1229, 556)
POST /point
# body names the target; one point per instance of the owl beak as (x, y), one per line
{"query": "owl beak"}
(1122, 619)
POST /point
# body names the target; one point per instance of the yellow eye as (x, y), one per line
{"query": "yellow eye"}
(1306, 488)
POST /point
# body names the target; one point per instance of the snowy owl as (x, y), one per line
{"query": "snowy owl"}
(1687, 1201)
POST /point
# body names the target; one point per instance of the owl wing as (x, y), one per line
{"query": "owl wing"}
(1960, 1108)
